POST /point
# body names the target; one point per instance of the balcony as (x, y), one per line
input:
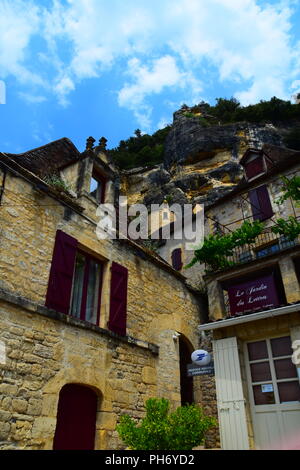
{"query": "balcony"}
(266, 244)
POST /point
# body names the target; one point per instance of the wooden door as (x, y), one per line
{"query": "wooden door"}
(76, 418)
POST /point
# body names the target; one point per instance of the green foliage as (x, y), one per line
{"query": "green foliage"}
(57, 182)
(148, 150)
(216, 248)
(168, 198)
(291, 189)
(183, 429)
(141, 150)
(225, 109)
(203, 121)
(189, 115)
(289, 228)
(274, 110)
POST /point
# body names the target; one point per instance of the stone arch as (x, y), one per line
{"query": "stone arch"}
(45, 426)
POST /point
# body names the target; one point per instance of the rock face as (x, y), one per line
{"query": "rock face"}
(188, 141)
(201, 163)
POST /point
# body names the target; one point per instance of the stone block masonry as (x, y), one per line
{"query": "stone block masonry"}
(45, 350)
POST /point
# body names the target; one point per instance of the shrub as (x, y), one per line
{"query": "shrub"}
(183, 429)
(56, 182)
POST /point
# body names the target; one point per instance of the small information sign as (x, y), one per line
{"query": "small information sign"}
(193, 370)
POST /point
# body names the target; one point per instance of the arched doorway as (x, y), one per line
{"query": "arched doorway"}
(186, 383)
(76, 418)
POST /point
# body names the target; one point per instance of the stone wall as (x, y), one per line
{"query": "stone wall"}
(46, 350)
(42, 355)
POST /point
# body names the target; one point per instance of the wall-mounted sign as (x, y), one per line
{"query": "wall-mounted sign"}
(201, 357)
(253, 295)
(266, 388)
(193, 370)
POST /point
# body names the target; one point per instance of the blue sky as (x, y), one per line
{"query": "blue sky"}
(74, 68)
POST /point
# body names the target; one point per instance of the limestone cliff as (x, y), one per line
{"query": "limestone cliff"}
(201, 163)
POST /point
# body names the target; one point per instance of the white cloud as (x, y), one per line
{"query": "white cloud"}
(32, 98)
(62, 88)
(295, 85)
(166, 45)
(148, 80)
(19, 21)
(163, 73)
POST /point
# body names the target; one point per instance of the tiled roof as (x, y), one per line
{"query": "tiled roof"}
(47, 159)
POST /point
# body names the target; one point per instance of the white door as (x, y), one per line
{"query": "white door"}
(231, 403)
(274, 393)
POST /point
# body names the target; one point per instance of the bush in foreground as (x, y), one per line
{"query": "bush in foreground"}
(182, 429)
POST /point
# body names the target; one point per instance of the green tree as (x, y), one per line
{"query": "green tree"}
(138, 133)
(183, 429)
(225, 109)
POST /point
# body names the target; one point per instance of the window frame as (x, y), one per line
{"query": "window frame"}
(88, 258)
(100, 178)
(258, 209)
(270, 358)
(250, 160)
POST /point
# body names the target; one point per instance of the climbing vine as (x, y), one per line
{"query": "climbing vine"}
(217, 248)
(289, 228)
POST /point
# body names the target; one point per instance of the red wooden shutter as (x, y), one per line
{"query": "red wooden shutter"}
(255, 167)
(176, 259)
(260, 203)
(61, 273)
(118, 299)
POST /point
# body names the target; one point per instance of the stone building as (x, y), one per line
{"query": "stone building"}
(254, 303)
(89, 328)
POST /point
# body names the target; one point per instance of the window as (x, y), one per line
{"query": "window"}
(75, 283)
(254, 168)
(97, 187)
(177, 259)
(260, 203)
(268, 250)
(85, 299)
(273, 375)
(245, 256)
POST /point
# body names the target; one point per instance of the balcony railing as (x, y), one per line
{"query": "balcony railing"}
(267, 243)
